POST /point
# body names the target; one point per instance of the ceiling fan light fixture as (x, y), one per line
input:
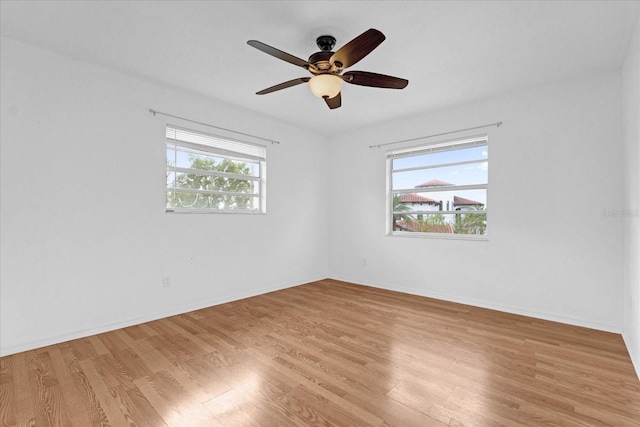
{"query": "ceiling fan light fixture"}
(325, 85)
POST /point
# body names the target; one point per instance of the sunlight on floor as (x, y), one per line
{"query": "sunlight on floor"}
(234, 405)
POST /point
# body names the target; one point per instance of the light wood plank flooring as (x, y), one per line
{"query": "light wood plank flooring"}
(327, 353)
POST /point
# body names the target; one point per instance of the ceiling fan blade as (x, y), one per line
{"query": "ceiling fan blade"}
(357, 48)
(364, 78)
(334, 102)
(284, 85)
(279, 54)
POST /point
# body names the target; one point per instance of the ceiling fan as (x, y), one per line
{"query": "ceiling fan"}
(327, 66)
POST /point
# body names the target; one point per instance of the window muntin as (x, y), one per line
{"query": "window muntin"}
(466, 174)
(439, 190)
(208, 173)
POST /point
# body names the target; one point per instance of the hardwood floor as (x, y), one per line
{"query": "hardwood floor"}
(327, 353)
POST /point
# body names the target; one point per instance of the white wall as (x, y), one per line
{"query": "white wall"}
(631, 207)
(85, 239)
(554, 166)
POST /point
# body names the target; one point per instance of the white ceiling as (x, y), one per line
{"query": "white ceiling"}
(451, 52)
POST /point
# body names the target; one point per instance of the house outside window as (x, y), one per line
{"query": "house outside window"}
(211, 174)
(439, 189)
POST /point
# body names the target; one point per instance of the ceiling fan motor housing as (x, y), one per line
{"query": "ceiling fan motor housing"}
(321, 63)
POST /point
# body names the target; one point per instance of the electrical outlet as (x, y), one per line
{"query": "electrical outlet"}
(166, 282)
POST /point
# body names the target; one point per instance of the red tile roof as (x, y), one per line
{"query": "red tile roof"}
(413, 225)
(416, 198)
(461, 201)
(433, 183)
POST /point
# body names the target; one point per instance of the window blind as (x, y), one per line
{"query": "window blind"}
(222, 146)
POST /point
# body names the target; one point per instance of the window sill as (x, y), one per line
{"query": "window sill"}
(443, 236)
(211, 212)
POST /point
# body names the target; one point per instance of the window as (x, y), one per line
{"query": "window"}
(439, 190)
(208, 173)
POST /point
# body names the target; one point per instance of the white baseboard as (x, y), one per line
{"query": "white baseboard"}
(31, 345)
(235, 297)
(553, 317)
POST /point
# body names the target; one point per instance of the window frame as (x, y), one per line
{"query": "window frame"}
(194, 141)
(432, 148)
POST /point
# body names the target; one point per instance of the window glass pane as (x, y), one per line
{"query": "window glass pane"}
(469, 222)
(473, 173)
(469, 200)
(215, 163)
(211, 201)
(218, 165)
(449, 200)
(473, 153)
(431, 198)
(215, 183)
(183, 160)
(171, 177)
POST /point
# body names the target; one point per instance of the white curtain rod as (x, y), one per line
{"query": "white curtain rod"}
(154, 112)
(498, 124)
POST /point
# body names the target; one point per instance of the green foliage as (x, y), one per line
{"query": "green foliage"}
(437, 219)
(432, 224)
(398, 206)
(213, 183)
(469, 222)
(472, 223)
